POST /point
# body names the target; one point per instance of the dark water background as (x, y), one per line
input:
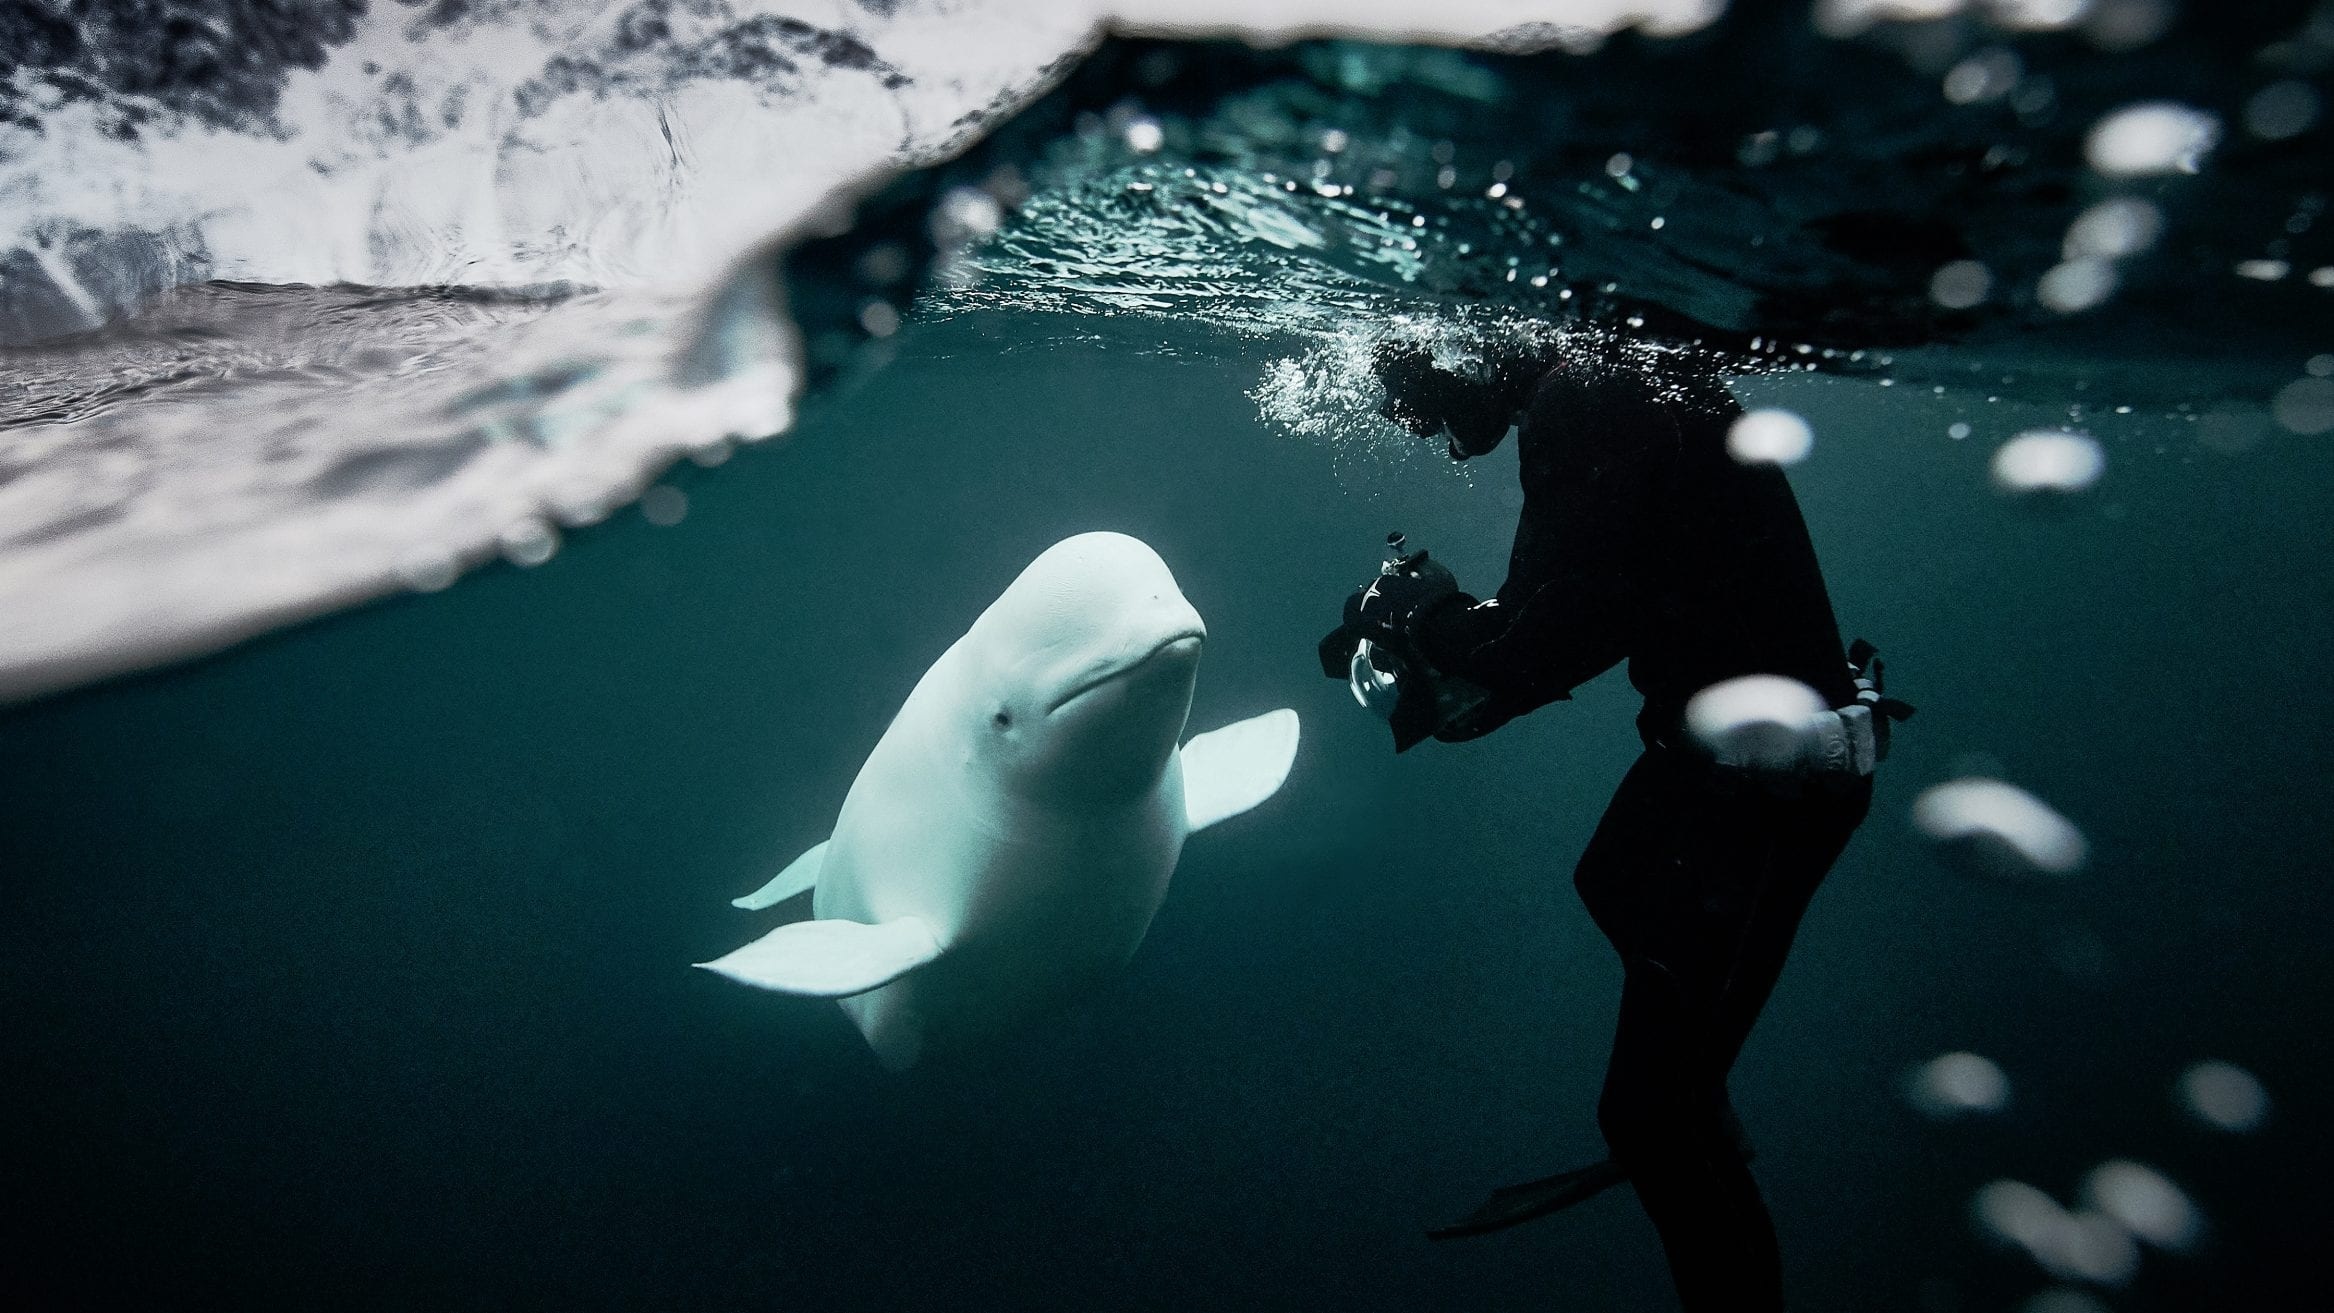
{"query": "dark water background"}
(350, 967)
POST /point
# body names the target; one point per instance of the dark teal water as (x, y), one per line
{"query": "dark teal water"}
(351, 966)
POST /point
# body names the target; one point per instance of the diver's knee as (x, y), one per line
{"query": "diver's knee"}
(1641, 1120)
(1632, 1121)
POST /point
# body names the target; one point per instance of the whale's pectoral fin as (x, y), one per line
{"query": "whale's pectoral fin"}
(830, 959)
(798, 877)
(1227, 771)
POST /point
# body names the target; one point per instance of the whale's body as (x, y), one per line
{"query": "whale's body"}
(1006, 844)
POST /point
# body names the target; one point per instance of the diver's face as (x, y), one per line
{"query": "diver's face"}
(1468, 441)
(1460, 439)
(1420, 418)
(1427, 405)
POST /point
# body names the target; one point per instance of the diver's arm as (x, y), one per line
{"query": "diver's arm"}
(1567, 610)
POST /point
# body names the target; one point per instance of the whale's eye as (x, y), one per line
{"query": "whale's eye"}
(1003, 718)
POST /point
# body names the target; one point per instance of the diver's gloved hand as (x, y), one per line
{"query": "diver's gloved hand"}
(1465, 710)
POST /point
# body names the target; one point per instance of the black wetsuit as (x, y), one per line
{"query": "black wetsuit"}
(1642, 540)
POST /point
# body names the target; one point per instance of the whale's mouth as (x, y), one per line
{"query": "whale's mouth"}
(1183, 643)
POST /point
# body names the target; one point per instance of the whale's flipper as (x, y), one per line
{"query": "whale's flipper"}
(1227, 771)
(830, 959)
(798, 877)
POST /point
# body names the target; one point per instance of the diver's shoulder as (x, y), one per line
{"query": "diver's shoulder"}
(1627, 406)
(1608, 380)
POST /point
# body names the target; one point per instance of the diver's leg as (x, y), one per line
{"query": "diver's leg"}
(1661, 878)
(1611, 886)
(1802, 839)
(1664, 1113)
(1611, 876)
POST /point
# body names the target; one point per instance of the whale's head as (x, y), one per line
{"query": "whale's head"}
(1080, 675)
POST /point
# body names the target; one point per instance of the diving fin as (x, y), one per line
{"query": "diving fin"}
(799, 877)
(1513, 1205)
(1227, 771)
(830, 959)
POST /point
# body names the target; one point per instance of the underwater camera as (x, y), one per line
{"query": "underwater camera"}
(1374, 652)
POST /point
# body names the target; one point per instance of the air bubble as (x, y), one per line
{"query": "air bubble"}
(1757, 722)
(2016, 1213)
(2223, 1095)
(2093, 1247)
(1846, 18)
(879, 318)
(2145, 1203)
(2076, 285)
(884, 264)
(529, 543)
(1144, 135)
(577, 511)
(2063, 1299)
(1989, 828)
(2085, 1246)
(2037, 15)
(664, 505)
(2152, 138)
(2120, 25)
(1961, 284)
(1958, 1084)
(965, 214)
(2305, 406)
(2112, 230)
(1769, 436)
(1985, 76)
(2282, 110)
(2048, 461)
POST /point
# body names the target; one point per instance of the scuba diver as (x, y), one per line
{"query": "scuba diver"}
(1643, 540)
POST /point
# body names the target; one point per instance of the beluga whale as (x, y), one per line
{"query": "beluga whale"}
(1007, 842)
